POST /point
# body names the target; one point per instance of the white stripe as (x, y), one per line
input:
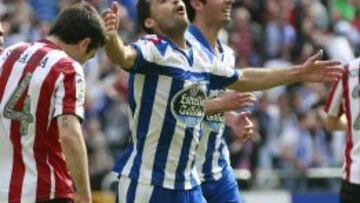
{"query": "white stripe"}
(216, 155)
(138, 85)
(6, 158)
(143, 193)
(80, 89)
(155, 125)
(59, 94)
(123, 187)
(192, 153)
(52, 182)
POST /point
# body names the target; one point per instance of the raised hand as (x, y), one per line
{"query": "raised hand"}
(314, 70)
(111, 18)
(241, 125)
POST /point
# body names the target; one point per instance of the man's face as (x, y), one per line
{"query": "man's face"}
(1, 38)
(218, 12)
(168, 15)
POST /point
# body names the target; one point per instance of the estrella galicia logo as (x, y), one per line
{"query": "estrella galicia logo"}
(215, 122)
(188, 105)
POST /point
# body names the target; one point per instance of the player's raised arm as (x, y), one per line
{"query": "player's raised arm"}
(116, 50)
(313, 70)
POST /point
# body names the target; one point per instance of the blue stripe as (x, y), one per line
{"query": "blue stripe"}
(130, 196)
(207, 167)
(184, 158)
(120, 164)
(218, 82)
(165, 138)
(147, 102)
(222, 161)
(131, 98)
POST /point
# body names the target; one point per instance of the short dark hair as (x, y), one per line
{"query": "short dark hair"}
(190, 10)
(143, 12)
(78, 22)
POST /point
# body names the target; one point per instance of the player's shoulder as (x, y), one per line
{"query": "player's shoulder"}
(152, 39)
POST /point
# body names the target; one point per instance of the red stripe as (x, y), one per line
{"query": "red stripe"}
(41, 147)
(18, 168)
(349, 141)
(69, 101)
(330, 97)
(8, 66)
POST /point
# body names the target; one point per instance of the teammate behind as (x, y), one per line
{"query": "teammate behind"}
(42, 90)
(343, 113)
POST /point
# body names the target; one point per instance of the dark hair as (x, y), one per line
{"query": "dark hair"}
(78, 22)
(143, 12)
(190, 10)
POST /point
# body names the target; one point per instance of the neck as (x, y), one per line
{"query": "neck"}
(177, 38)
(209, 30)
(68, 49)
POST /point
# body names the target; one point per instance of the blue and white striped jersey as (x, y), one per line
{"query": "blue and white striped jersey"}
(212, 158)
(167, 91)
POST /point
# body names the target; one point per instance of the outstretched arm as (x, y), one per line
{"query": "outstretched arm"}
(116, 50)
(312, 70)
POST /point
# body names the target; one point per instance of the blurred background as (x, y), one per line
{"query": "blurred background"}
(292, 158)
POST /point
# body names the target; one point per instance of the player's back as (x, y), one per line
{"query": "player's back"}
(34, 79)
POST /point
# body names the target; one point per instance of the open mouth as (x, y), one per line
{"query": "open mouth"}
(180, 10)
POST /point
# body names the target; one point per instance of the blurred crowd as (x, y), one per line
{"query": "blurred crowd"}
(264, 33)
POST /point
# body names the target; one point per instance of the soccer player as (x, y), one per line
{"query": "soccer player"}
(167, 91)
(343, 113)
(42, 90)
(208, 17)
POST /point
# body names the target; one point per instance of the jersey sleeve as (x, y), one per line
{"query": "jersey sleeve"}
(334, 104)
(69, 95)
(146, 51)
(223, 77)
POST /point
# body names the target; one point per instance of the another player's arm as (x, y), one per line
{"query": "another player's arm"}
(73, 146)
(229, 101)
(312, 70)
(334, 123)
(116, 50)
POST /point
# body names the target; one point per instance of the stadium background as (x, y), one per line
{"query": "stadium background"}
(292, 158)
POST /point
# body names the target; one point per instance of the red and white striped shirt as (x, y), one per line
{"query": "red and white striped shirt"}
(344, 97)
(38, 82)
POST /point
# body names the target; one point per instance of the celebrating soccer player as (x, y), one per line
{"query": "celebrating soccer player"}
(169, 77)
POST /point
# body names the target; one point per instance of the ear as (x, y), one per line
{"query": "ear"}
(149, 23)
(84, 44)
(196, 4)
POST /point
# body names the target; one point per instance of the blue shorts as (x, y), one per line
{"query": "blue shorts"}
(130, 191)
(224, 190)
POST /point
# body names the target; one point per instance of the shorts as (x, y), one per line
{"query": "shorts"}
(349, 193)
(224, 190)
(130, 191)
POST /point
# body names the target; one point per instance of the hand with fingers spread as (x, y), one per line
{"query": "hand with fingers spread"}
(240, 124)
(111, 19)
(315, 70)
